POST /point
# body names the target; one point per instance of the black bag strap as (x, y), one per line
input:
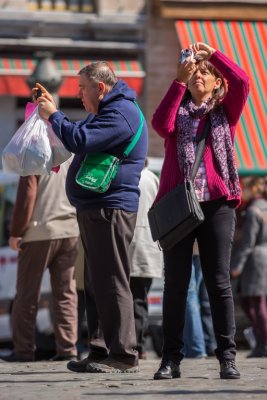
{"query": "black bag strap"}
(200, 148)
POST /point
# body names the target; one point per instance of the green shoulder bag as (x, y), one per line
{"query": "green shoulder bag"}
(99, 169)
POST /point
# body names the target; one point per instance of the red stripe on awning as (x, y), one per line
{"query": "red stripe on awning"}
(16, 86)
(14, 72)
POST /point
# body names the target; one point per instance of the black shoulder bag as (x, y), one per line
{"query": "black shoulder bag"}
(178, 213)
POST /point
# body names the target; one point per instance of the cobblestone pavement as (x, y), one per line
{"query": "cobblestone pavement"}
(200, 380)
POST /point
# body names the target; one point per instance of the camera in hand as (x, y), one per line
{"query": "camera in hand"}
(186, 53)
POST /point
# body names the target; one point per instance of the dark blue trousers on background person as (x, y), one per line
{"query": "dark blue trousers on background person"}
(205, 311)
(194, 342)
(215, 237)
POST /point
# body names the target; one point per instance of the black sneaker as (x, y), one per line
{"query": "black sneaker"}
(13, 357)
(228, 370)
(168, 370)
(80, 366)
(111, 366)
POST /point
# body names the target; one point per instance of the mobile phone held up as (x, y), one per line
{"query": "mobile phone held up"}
(185, 54)
(38, 93)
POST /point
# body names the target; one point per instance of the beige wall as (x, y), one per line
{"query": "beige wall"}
(104, 6)
(162, 54)
(5, 4)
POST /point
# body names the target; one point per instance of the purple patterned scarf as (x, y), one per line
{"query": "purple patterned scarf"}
(220, 137)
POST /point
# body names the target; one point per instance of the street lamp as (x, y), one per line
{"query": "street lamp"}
(46, 73)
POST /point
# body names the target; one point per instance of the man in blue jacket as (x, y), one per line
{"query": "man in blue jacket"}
(106, 220)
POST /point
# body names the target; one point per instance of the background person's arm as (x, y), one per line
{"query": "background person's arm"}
(23, 209)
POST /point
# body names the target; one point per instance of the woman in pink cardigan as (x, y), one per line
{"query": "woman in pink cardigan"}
(207, 84)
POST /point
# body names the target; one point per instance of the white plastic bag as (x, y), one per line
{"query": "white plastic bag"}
(59, 153)
(34, 149)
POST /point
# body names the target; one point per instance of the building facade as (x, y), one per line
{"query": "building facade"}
(142, 39)
(239, 29)
(73, 33)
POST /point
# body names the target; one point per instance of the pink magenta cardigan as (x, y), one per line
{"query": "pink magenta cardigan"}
(164, 123)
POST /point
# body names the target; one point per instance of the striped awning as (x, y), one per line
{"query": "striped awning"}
(245, 43)
(13, 72)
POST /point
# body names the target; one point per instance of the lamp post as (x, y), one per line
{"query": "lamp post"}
(46, 73)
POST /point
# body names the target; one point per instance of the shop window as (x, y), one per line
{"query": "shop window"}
(61, 5)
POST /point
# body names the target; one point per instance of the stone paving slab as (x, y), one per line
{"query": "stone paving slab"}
(200, 380)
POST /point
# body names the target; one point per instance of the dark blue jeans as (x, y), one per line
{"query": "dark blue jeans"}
(193, 336)
(215, 237)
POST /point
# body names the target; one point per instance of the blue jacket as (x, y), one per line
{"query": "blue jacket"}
(108, 131)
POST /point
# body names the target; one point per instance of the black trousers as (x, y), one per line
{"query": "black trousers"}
(140, 287)
(81, 312)
(106, 235)
(215, 237)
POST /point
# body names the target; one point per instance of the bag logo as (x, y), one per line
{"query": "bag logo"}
(90, 178)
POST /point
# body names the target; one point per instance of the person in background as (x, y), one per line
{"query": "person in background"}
(82, 347)
(198, 93)
(249, 262)
(106, 220)
(146, 258)
(44, 231)
(205, 311)
(198, 337)
(193, 336)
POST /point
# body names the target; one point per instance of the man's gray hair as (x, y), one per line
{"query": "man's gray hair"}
(99, 71)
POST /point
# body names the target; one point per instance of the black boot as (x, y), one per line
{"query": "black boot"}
(168, 370)
(228, 370)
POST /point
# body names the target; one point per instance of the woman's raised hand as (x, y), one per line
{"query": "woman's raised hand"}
(185, 70)
(202, 50)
